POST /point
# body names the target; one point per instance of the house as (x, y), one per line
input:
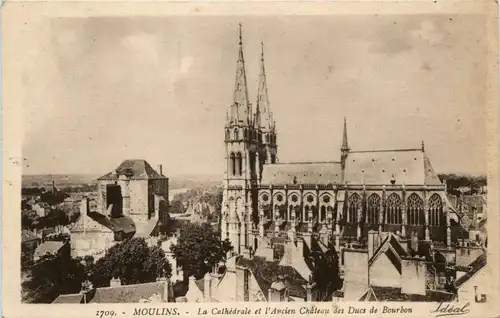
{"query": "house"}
(281, 269)
(29, 243)
(41, 208)
(388, 270)
(89, 237)
(177, 273)
(155, 292)
(52, 247)
(473, 281)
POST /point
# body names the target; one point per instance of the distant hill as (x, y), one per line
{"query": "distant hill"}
(64, 180)
(60, 180)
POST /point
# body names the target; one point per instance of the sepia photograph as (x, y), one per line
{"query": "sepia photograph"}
(255, 158)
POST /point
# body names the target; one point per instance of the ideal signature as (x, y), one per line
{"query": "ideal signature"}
(450, 309)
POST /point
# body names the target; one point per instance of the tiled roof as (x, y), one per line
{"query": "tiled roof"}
(48, 247)
(88, 224)
(146, 229)
(137, 169)
(394, 294)
(69, 299)
(302, 173)
(393, 249)
(116, 224)
(266, 272)
(408, 166)
(475, 267)
(126, 293)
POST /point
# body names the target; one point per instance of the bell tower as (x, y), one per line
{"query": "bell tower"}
(241, 156)
(264, 121)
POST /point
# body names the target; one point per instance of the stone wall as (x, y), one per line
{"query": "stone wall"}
(413, 273)
(355, 274)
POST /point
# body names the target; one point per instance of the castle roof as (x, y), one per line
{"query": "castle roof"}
(136, 169)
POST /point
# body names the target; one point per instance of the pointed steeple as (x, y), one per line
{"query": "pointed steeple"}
(240, 110)
(345, 144)
(264, 115)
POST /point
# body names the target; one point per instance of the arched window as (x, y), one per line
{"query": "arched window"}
(373, 209)
(415, 210)
(353, 205)
(244, 134)
(436, 215)
(314, 214)
(305, 214)
(236, 134)
(393, 209)
(232, 164)
(322, 216)
(238, 164)
(227, 134)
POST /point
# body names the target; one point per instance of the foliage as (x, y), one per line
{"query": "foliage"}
(56, 218)
(199, 248)
(29, 219)
(456, 181)
(133, 262)
(176, 207)
(51, 276)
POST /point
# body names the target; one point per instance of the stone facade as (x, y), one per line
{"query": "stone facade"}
(136, 189)
(394, 190)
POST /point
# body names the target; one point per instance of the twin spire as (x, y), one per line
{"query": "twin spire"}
(241, 110)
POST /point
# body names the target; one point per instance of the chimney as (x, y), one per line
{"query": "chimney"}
(84, 206)
(307, 239)
(115, 282)
(371, 243)
(300, 248)
(309, 287)
(242, 283)
(277, 291)
(206, 286)
(160, 170)
(166, 288)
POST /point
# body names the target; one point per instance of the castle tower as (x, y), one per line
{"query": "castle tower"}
(240, 178)
(264, 121)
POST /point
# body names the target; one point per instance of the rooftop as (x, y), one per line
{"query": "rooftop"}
(136, 169)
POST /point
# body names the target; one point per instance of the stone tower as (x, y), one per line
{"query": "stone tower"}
(240, 177)
(264, 121)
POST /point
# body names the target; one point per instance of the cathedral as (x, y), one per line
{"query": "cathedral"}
(339, 201)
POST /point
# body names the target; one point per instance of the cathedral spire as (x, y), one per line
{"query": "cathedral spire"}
(345, 144)
(264, 115)
(240, 110)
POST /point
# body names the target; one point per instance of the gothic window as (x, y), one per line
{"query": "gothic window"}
(436, 215)
(373, 209)
(322, 216)
(353, 205)
(290, 212)
(238, 163)
(314, 214)
(244, 134)
(227, 134)
(232, 164)
(236, 133)
(393, 209)
(305, 214)
(415, 210)
(273, 158)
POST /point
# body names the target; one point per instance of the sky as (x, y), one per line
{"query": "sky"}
(104, 89)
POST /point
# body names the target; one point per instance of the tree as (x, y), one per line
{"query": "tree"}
(55, 218)
(133, 262)
(176, 207)
(51, 276)
(199, 248)
(29, 219)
